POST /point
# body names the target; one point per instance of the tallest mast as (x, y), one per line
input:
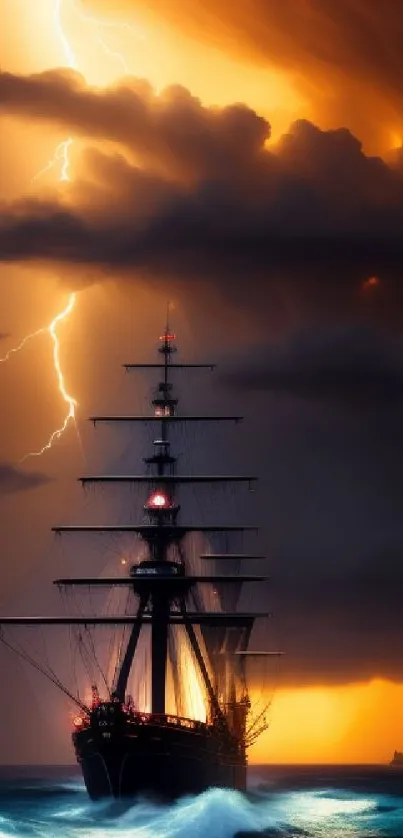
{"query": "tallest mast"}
(162, 511)
(164, 404)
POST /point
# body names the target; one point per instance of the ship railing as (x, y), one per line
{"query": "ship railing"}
(140, 718)
(167, 720)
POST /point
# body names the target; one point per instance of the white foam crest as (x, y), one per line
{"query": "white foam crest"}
(218, 813)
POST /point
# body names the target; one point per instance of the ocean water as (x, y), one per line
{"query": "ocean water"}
(347, 802)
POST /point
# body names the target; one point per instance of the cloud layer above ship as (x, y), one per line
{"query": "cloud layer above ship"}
(353, 366)
(191, 189)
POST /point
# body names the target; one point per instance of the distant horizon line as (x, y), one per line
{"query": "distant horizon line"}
(250, 765)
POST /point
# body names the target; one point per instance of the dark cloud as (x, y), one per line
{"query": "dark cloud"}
(330, 503)
(14, 479)
(354, 365)
(172, 131)
(360, 618)
(211, 199)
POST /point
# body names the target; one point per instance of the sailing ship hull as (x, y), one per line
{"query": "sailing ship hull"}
(156, 760)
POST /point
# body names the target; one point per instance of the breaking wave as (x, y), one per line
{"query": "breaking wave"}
(42, 807)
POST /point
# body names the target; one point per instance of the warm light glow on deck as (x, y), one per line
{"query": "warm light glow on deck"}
(193, 701)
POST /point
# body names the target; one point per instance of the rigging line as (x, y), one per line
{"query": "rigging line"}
(110, 655)
(73, 656)
(44, 652)
(89, 663)
(107, 544)
(116, 640)
(43, 671)
(23, 654)
(83, 651)
(92, 645)
(72, 642)
(118, 646)
(108, 608)
(258, 718)
(123, 638)
(46, 657)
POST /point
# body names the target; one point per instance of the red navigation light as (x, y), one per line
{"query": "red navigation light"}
(78, 721)
(371, 282)
(168, 336)
(158, 501)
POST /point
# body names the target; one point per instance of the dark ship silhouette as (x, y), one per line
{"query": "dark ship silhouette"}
(124, 750)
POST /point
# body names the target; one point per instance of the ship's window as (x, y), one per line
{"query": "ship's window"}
(158, 411)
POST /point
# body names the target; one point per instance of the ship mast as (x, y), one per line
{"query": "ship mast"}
(163, 514)
(162, 597)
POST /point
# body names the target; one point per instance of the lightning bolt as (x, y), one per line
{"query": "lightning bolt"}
(61, 154)
(61, 159)
(71, 403)
(112, 53)
(117, 25)
(69, 54)
(23, 342)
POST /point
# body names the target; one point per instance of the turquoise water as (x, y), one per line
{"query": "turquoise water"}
(282, 801)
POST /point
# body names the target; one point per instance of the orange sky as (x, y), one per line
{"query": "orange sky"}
(353, 723)
(159, 54)
(357, 723)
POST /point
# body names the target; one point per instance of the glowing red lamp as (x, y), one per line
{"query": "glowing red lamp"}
(158, 500)
(168, 336)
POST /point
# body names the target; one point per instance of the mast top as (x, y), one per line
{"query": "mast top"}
(167, 339)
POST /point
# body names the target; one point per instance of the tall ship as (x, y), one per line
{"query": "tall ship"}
(174, 713)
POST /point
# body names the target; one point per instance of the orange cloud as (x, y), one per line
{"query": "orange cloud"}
(204, 183)
(344, 58)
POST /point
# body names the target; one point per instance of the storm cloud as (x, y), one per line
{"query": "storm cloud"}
(14, 479)
(201, 188)
(354, 366)
(172, 131)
